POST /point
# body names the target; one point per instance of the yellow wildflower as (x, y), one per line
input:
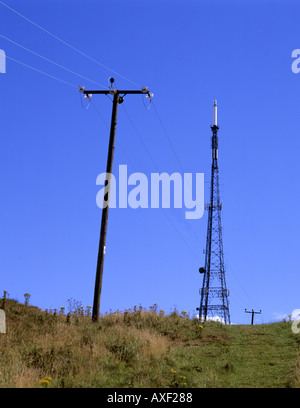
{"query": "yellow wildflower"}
(45, 382)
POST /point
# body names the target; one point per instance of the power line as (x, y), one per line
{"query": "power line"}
(42, 72)
(234, 299)
(52, 62)
(141, 139)
(99, 114)
(241, 286)
(67, 44)
(179, 233)
(168, 138)
(155, 165)
(117, 142)
(178, 162)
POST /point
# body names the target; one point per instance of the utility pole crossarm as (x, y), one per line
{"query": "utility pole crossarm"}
(120, 92)
(252, 313)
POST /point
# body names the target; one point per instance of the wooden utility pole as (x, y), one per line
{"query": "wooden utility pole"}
(118, 97)
(253, 313)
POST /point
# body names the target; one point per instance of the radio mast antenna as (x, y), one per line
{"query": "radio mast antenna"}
(214, 294)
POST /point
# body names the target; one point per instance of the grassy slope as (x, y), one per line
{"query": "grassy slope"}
(143, 349)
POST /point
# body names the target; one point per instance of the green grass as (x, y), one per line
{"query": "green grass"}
(143, 348)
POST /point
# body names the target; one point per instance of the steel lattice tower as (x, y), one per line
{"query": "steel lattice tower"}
(214, 294)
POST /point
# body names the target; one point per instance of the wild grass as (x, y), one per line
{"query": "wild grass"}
(141, 348)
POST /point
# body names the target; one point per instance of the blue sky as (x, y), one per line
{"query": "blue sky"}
(188, 53)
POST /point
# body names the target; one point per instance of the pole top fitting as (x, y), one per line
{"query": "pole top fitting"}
(113, 91)
(149, 95)
(215, 120)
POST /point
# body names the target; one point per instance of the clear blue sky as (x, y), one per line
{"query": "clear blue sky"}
(188, 53)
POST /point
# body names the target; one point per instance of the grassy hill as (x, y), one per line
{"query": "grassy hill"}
(142, 348)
